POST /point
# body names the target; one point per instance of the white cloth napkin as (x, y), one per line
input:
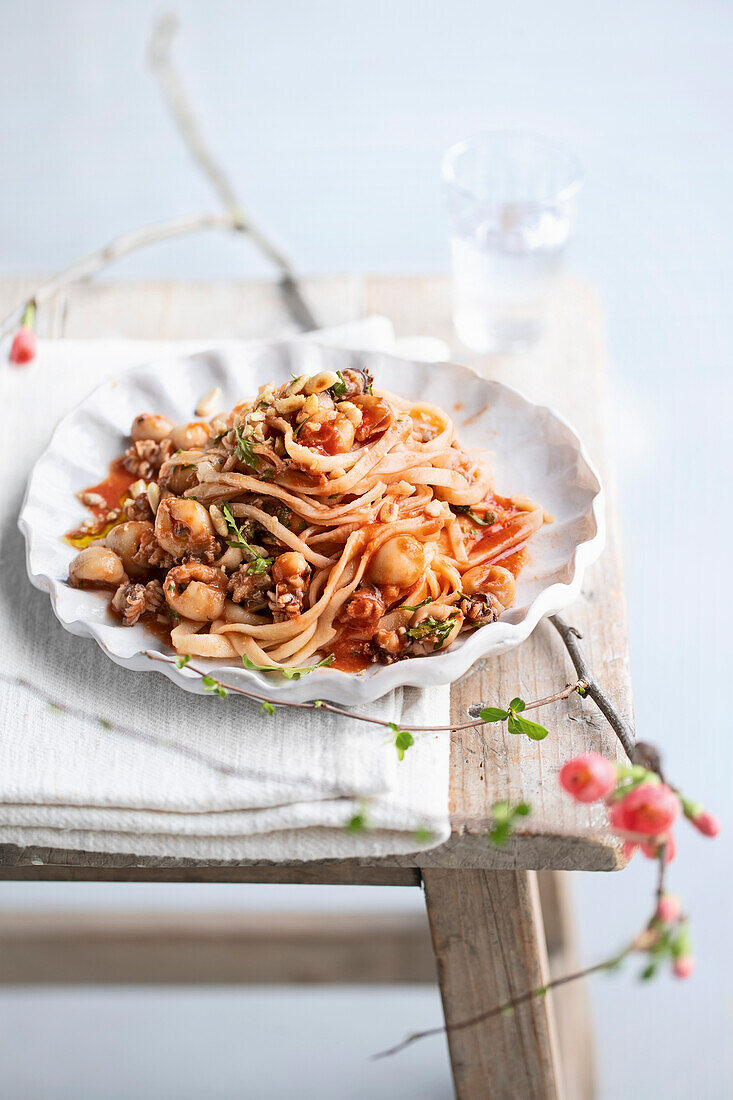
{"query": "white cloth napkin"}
(191, 776)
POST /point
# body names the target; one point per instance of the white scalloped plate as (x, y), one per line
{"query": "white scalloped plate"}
(536, 453)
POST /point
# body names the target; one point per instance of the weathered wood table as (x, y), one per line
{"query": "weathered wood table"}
(483, 903)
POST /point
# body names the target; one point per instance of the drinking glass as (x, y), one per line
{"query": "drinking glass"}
(511, 200)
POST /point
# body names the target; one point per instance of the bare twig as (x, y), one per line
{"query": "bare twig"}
(642, 942)
(115, 250)
(501, 1009)
(618, 723)
(159, 57)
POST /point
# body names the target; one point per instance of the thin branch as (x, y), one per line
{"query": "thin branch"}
(174, 93)
(504, 1007)
(639, 943)
(333, 709)
(618, 723)
(115, 250)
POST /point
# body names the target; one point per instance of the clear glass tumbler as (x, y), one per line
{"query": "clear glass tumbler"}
(511, 200)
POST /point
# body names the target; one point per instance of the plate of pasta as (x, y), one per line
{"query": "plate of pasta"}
(309, 522)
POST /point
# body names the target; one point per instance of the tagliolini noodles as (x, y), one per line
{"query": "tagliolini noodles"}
(323, 522)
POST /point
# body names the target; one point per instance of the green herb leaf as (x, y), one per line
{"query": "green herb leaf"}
(493, 714)
(267, 708)
(404, 607)
(259, 563)
(338, 389)
(244, 448)
(433, 628)
(289, 673)
(466, 510)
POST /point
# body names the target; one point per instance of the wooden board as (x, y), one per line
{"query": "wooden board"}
(213, 947)
(566, 369)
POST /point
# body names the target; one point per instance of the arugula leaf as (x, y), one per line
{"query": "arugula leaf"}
(430, 627)
(465, 509)
(244, 448)
(289, 673)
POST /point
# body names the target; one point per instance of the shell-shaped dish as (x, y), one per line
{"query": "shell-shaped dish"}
(536, 454)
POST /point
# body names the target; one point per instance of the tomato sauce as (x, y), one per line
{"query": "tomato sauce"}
(113, 491)
(351, 654)
(507, 529)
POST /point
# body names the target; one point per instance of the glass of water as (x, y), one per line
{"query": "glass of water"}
(511, 199)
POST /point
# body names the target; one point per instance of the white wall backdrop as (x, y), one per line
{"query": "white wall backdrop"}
(332, 116)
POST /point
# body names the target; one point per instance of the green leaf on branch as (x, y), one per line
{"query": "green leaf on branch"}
(213, 687)
(517, 705)
(533, 730)
(403, 740)
(504, 815)
(267, 708)
(493, 714)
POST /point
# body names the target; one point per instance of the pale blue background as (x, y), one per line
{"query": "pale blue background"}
(332, 117)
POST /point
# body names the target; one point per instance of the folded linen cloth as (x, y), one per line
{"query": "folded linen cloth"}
(177, 774)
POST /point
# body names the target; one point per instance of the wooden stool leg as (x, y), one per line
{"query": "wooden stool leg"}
(489, 944)
(572, 1002)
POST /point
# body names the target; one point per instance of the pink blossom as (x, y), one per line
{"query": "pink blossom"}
(708, 824)
(669, 908)
(684, 966)
(588, 778)
(24, 346)
(651, 850)
(629, 849)
(646, 811)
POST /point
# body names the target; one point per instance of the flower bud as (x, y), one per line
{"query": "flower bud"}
(647, 811)
(706, 823)
(24, 347)
(669, 908)
(684, 966)
(588, 778)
